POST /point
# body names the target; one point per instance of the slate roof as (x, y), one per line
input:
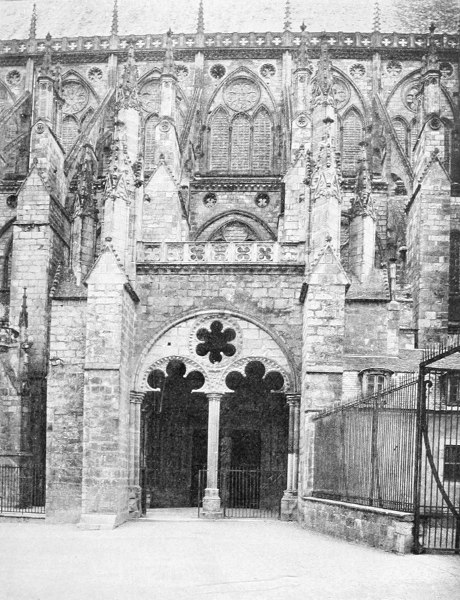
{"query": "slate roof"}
(137, 17)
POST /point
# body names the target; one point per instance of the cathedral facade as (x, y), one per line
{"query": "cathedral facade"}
(206, 238)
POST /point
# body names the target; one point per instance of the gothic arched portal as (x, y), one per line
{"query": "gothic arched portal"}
(194, 361)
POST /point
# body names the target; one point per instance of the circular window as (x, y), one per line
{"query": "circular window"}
(12, 201)
(446, 70)
(410, 97)
(394, 68)
(340, 93)
(95, 74)
(14, 78)
(210, 200)
(217, 71)
(357, 71)
(302, 120)
(181, 72)
(75, 96)
(267, 70)
(262, 200)
(435, 123)
(241, 95)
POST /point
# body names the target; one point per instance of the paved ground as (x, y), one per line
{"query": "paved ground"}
(175, 556)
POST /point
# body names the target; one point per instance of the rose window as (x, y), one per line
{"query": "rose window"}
(394, 67)
(357, 71)
(216, 342)
(150, 96)
(242, 95)
(340, 93)
(267, 70)
(446, 69)
(410, 98)
(75, 96)
(217, 71)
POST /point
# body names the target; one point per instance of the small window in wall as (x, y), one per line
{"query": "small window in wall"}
(450, 388)
(452, 463)
(374, 381)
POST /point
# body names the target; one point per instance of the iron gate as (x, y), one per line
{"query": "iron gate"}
(247, 493)
(437, 465)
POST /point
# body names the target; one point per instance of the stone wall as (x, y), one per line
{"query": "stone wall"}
(65, 410)
(167, 295)
(387, 530)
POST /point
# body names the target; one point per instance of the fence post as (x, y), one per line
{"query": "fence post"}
(418, 458)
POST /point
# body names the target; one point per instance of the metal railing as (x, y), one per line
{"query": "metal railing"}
(364, 451)
(247, 493)
(22, 489)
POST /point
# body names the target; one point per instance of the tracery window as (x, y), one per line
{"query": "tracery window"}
(149, 143)
(352, 135)
(69, 132)
(243, 145)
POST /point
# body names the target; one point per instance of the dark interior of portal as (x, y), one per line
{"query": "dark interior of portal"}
(252, 442)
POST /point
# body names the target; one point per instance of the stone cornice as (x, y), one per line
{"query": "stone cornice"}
(228, 184)
(232, 41)
(220, 269)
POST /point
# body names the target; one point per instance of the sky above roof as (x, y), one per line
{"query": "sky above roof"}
(87, 18)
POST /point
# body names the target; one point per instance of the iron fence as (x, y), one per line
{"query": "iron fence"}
(437, 481)
(22, 489)
(247, 493)
(364, 450)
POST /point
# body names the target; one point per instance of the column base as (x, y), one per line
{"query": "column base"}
(289, 506)
(99, 521)
(211, 505)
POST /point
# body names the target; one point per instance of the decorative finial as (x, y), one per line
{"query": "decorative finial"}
(33, 23)
(377, 17)
(302, 56)
(362, 203)
(287, 16)
(24, 315)
(46, 66)
(432, 28)
(168, 63)
(127, 96)
(114, 28)
(200, 24)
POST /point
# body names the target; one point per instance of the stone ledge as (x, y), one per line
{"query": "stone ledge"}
(388, 530)
(396, 514)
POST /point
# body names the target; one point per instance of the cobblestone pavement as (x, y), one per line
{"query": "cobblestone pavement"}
(182, 558)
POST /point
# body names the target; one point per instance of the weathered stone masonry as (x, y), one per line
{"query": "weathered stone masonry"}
(291, 198)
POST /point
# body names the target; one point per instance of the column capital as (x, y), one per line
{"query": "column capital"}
(293, 399)
(214, 396)
(136, 397)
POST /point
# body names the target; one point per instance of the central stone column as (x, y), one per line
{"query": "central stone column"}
(211, 500)
(289, 500)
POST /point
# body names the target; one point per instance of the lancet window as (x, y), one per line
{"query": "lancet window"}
(70, 131)
(149, 143)
(352, 135)
(401, 134)
(241, 145)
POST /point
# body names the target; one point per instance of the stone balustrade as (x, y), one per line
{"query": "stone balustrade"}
(230, 40)
(220, 252)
